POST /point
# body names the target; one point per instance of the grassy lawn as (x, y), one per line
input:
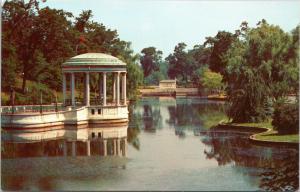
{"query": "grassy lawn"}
(217, 96)
(270, 136)
(267, 124)
(274, 136)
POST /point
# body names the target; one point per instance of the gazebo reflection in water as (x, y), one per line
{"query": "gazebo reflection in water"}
(81, 140)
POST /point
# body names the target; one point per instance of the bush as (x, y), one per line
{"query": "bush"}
(286, 118)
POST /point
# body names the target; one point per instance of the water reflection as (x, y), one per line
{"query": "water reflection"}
(182, 114)
(277, 168)
(65, 141)
(284, 176)
(267, 167)
(169, 148)
(35, 160)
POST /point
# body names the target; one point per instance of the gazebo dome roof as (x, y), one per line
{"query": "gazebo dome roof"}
(93, 59)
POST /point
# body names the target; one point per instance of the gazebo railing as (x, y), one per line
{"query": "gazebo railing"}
(31, 108)
(52, 107)
(78, 102)
(96, 101)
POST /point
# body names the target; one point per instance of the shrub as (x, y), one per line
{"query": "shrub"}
(286, 118)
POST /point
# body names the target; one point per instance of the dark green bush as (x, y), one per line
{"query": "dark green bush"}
(286, 118)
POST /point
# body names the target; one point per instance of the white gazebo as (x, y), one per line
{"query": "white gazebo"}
(96, 63)
(100, 111)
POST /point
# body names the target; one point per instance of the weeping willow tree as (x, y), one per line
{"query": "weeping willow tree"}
(261, 68)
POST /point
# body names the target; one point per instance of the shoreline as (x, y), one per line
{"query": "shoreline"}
(177, 93)
(259, 131)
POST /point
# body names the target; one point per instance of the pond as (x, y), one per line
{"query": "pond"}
(169, 147)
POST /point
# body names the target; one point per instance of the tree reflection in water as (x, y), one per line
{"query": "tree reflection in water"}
(283, 177)
(278, 166)
(197, 116)
(151, 118)
(182, 114)
(134, 127)
(145, 115)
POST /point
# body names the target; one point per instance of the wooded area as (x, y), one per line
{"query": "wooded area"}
(255, 66)
(35, 43)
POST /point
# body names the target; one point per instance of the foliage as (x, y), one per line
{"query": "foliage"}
(153, 66)
(259, 68)
(155, 77)
(134, 78)
(259, 65)
(201, 57)
(219, 46)
(211, 80)
(37, 41)
(150, 60)
(181, 64)
(286, 118)
(9, 65)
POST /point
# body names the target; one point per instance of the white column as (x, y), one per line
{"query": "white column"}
(73, 88)
(119, 147)
(100, 88)
(73, 148)
(114, 87)
(88, 148)
(87, 89)
(104, 147)
(121, 87)
(104, 88)
(64, 88)
(118, 88)
(124, 89)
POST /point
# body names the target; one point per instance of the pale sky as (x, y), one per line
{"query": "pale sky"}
(164, 23)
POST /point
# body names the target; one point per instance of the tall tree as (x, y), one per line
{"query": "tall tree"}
(37, 41)
(219, 46)
(57, 39)
(181, 63)
(150, 60)
(18, 27)
(201, 57)
(260, 68)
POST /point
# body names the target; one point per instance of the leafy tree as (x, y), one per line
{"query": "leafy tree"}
(155, 77)
(212, 81)
(201, 57)
(150, 60)
(181, 64)
(134, 76)
(83, 20)
(37, 41)
(259, 68)
(219, 45)
(57, 44)
(9, 65)
(18, 26)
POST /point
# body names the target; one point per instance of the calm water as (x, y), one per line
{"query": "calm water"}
(169, 148)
